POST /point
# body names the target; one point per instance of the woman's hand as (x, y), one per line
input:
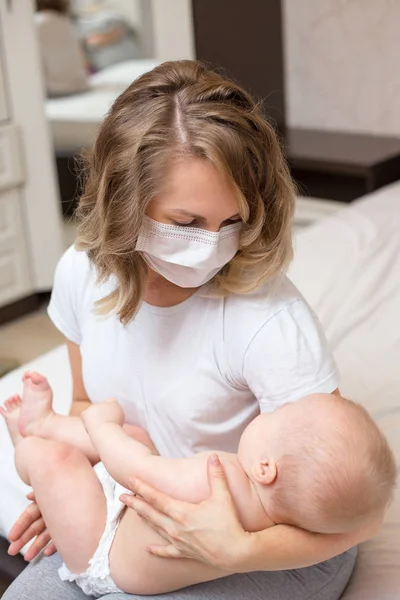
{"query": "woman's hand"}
(209, 531)
(29, 526)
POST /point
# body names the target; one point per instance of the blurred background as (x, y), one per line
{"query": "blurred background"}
(327, 74)
(326, 71)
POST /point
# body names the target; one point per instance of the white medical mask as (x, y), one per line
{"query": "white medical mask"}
(187, 256)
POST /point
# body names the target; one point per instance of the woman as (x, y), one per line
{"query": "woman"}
(185, 228)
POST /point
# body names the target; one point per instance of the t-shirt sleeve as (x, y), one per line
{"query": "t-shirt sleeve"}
(289, 358)
(63, 309)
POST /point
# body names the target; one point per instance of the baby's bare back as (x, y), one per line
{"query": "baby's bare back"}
(136, 571)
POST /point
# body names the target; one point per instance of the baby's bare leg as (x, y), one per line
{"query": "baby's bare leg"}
(36, 417)
(69, 496)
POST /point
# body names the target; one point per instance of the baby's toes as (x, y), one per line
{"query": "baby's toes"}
(12, 404)
(9, 403)
(39, 380)
(15, 402)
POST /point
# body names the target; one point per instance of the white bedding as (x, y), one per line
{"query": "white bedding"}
(348, 267)
(74, 119)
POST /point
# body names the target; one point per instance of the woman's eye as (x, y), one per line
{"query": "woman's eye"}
(191, 224)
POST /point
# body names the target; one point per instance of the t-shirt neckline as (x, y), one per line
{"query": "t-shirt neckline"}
(170, 310)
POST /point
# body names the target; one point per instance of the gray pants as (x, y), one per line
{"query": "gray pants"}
(325, 581)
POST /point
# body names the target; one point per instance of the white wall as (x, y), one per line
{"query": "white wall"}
(342, 64)
(173, 36)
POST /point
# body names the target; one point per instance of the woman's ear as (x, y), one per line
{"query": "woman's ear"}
(265, 471)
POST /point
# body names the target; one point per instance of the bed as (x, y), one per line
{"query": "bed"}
(348, 268)
(74, 119)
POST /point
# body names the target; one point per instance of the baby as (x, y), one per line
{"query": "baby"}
(319, 463)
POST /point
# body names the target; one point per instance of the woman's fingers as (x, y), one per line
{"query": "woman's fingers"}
(50, 549)
(18, 542)
(40, 542)
(25, 521)
(165, 551)
(161, 502)
(31, 496)
(216, 477)
(156, 519)
(14, 548)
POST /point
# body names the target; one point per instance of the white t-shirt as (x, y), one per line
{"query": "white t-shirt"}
(194, 375)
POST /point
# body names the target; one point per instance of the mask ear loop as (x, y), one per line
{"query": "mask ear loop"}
(143, 237)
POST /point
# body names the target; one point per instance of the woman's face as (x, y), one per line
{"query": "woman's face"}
(196, 195)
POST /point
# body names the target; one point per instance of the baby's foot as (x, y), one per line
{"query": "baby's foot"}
(103, 412)
(37, 397)
(11, 412)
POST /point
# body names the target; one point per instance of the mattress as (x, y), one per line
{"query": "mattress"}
(348, 268)
(74, 119)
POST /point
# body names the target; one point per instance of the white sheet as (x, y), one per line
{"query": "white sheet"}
(348, 267)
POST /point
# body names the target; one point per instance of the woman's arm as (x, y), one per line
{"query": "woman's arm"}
(211, 532)
(285, 547)
(80, 401)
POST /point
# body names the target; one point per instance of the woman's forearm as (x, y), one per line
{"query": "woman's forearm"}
(285, 547)
(78, 406)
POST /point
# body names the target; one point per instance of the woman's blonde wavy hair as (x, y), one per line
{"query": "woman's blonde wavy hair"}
(183, 109)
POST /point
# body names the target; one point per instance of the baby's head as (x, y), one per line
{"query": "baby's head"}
(320, 463)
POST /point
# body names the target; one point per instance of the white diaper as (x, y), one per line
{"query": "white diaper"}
(96, 580)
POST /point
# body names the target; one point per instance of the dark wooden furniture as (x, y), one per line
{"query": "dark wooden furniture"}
(245, 39)
(69, 180)
(341, 166)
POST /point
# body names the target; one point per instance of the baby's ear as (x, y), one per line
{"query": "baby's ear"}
(265, 471)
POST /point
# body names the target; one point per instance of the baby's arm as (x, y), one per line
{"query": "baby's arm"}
(125, 457)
